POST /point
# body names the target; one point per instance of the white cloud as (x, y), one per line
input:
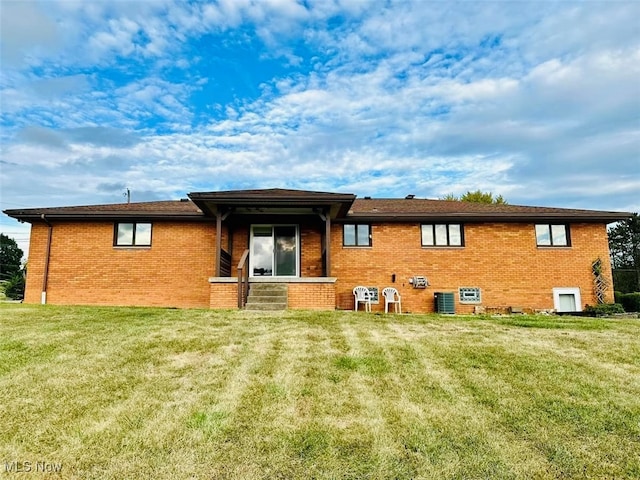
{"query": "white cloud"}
(25, 30)
(416, 97)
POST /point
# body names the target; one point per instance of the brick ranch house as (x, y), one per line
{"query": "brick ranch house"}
(210, 250)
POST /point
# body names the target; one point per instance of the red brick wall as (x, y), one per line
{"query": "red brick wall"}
(312, 296)
(500, 258)
(35, 263)
(311, 252)
(223, 295)
(85, 267)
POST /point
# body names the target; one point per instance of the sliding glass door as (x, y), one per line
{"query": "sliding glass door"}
(274, 251)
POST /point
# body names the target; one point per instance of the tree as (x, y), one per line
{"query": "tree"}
(10, 257)
(624, 245)
(477, 197)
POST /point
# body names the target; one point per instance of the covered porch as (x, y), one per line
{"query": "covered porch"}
(275, 236)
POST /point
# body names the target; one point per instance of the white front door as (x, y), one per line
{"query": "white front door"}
(274, 251)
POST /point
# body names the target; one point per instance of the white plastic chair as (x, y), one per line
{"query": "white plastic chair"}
(391, 295)
(362, 295)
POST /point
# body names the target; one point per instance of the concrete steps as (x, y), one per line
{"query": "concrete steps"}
(267, 296)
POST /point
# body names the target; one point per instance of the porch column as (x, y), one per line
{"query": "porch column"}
(327, 241)
(218, 267)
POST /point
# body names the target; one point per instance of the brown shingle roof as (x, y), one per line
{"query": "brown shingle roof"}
(419, 209)
(268, 193)
(362, 209)
(171, 208)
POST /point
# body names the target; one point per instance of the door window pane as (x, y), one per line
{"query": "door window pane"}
(285, 250)
(262, 251)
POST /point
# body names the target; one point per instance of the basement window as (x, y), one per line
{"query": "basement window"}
(132, 235)
(373, 295)
(469, 295)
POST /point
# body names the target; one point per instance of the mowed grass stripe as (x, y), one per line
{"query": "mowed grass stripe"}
(548, 403)
(445, 426)
(159, 393)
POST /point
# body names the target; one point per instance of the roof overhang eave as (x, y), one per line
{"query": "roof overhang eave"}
(336, 206)
(37, 217)
(481, 218)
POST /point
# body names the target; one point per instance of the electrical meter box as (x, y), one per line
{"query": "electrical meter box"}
(419, 282)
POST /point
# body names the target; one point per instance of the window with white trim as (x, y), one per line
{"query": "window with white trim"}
(128, 234)
(567, 299)
(442, 235)
(356, 235)
(552, 235)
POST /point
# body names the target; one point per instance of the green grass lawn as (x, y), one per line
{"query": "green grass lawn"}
(134, 393)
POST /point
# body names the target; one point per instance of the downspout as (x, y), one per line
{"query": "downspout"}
(45, 278)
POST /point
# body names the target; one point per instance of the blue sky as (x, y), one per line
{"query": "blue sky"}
(536, 101)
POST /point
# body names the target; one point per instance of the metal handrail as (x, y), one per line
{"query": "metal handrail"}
(243, 279)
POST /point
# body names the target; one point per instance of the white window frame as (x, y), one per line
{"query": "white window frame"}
(575, 291)
(273, 226)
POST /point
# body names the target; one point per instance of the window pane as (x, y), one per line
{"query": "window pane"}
(427, 235)
(285, 253)
(143, 234)
(441, 234)
(542, 235)
(559, 234)
(125, 234)
(455, 235)
(567, 302)
(349, 234)
(363, 235)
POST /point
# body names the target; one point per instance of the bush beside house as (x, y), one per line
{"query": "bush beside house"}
(629, 301)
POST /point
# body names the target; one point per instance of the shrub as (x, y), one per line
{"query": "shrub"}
(617, 296)
(14, 288)
(631, 301)
(603, 309)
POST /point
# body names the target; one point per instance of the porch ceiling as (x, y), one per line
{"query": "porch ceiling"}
(273, 202)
